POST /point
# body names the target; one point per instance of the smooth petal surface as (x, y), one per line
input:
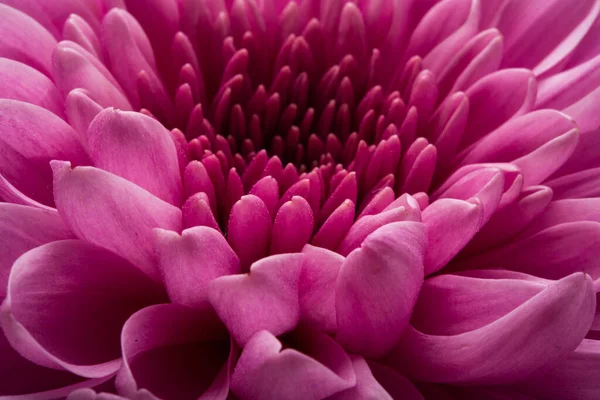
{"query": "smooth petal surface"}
(67, 302)
(371, 310)
(188, 263)
(137, 148)
(176, 353)
(240, 300)
(93, 202)
(313, 368)
(571, 302)
(23, 228)
(30, 137)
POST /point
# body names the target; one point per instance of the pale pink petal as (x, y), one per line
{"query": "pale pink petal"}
(239, 299)
(189, 262)
(93, 202)
(371, 310)
(137, 148)
(67, 302)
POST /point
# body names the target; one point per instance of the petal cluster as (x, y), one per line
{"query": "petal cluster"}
(303, 199)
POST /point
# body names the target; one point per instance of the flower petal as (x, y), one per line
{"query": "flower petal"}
(377, 288)
(30, 137)
(175, 352)
(24, 83)
(571, 302)
(137, 148)
(189, 262)
(67, 302)
(293, 226)
(319, 368)
(93, 202)
(22, 228)
(240, 300)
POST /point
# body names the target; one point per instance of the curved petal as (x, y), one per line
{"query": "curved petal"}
(366, 387)
(313, 368)
(293, 226)
(67, 302)
(30, 137)
(188, 263)
(503, 350)
(24, 83)
(137, 148)
(93, 202)
(579, 185)
(176, 353)
(395, 384)
(23, 39)
(22, 228)
(240, 300)
(377, 288)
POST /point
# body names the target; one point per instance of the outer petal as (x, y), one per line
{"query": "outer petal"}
(67, 302)
(188, 263)
(137, 148)
(314, 368)
(23, 39)
(24, 83)
(240, 300)
(93, 202)
(366, 387)
(571, 302)
(377, 288)
(22, 228)
(30, 137)
(176, 353)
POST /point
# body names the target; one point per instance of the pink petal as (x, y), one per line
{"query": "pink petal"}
(546, 139)
(450, 225)
(509, 92)
(317, 287)
(67, 302)
(24, 228)
(366, 387)
(293, 226)
(313, 368)
(30, 137)
(371, 310)
(571, 302)
(574, 378)
(189, 262)
(336, 226)
(581, 184)
(249, 229)
(24, 83)
(93, 202)
(240, 299)
(175, 353)
(395, 384)
(23, 39)
(81, 110)
(196, 212)
(137, 148)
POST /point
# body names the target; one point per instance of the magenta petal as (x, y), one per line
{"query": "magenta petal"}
(240, 299)
(293, 226)
(249, 229)
(24, 83)
(67, 302)
(30, 137)
(395, 384)
(23, 228)
(317, 287)
(23, 39)
(314, 368)
(450, 225)
(175, 352)
(137, 148)
(574, 378)
(572, 304)
(366, 387)
(371, 310)
(189, 262)
(81, 111)
(581, 184)
(93, 202)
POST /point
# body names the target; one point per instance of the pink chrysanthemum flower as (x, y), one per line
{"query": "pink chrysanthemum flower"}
(270, 199)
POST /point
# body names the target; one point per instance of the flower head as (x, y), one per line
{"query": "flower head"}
(299, 199)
